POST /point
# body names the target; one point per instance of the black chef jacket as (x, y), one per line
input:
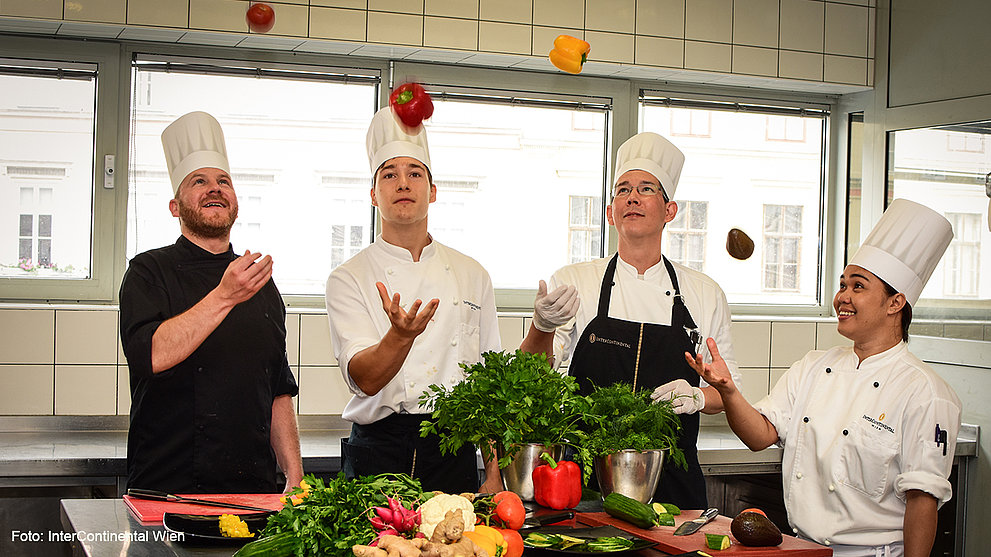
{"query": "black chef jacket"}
(202, 426)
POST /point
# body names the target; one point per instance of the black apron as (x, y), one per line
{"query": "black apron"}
(646, 355)
(393, 445)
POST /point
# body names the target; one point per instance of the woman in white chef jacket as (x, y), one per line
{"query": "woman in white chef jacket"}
(868, 430)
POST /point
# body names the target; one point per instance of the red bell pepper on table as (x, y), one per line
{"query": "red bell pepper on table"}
(411, 103)
(557, 485)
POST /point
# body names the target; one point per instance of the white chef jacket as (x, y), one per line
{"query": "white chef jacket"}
(855, 440)
(646, 299)
(463, 327)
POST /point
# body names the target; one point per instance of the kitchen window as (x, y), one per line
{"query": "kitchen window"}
(585, 228)
(760, 170)
(963, 256)
(296, 144)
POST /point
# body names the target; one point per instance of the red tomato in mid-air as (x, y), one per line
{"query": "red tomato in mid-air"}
(260, 17)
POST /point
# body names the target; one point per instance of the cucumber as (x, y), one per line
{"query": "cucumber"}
(666, 508)
(717, 541)
(282, 544)
(630, 510)
(665, 519)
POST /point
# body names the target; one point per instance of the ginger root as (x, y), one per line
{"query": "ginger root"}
(391, 546)
(450, 529)
(446, 541)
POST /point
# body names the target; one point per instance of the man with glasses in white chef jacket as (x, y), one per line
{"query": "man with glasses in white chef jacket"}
(639, 312)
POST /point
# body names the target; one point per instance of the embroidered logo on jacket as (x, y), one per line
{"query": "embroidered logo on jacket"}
(878, 424)
(593, 339)
(475, 307)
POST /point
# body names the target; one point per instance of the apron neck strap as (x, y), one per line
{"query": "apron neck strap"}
(608, 280)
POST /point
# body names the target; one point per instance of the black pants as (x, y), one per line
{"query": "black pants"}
(393, 444)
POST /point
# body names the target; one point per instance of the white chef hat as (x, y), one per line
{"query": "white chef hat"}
(651, 153)
(905, 246)
(389, 138)
(192, 142)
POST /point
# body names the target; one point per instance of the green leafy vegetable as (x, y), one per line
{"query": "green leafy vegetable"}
(630, 420)
(333, 516)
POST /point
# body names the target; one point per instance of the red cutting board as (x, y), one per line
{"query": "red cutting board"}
(668, 542)
(147, 510)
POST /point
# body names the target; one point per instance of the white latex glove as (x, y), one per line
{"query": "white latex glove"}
(685, 399)
(552, 310)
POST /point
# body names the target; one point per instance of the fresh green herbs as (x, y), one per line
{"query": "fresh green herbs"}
(629, 420)
(333, 516)
(509, 399)
(605, 544)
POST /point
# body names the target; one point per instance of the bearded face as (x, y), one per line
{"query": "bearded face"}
(206, 204)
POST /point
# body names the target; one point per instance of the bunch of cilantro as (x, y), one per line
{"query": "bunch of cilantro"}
(630, 420)
(333, 516)
(505, 401)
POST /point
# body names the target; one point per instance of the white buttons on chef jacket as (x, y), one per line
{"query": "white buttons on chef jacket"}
(798, 475)
(391, 272)
(454, 341)
(454, 301)
(832, 488)
(447, 267)
(795, 530)
(825, 542)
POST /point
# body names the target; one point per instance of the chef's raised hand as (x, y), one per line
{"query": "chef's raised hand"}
(551, 310)
(244, 277)
(407, 324)
(685, 399)
(717, 373)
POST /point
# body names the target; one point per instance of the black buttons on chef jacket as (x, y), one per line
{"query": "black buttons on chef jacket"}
(829, 370)
(805, 419)
(846, 432)
(876, 384)
(667, 293)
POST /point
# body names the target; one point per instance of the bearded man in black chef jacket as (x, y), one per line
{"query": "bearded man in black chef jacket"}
(204, 333)
(640, 313)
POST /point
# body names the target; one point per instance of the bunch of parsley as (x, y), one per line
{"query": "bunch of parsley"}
(630, 420)
(505, 401)
(333, 516)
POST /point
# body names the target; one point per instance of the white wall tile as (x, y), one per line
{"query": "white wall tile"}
(335, 23)
(751, 343)
(322, 390)
(776, 373)
(542, 38)
(618, 16)
(392, 28)
(158, 13)
(709, 20)
(221, 15)
(663, 18)
(315, 348)
(801, 25)
(50, 9)
(123, 391)
(800, 65)
(292, 338)
(755, 383)
(354, 4)
(708, 56)
(755, 23)
(505, 37)
(27, 336)
(827, 337)
(451, 8)
(397, 6)
(610, 47)
(291, 20)
(791, 341)
(446, 32)
(27, 390)
(85, 337)
(89, 390)
(510, 11)
(755, 61)
(660, 51)
(511, 332)
(844, 69)
(559, 13)
(846, 29)
(105, 11)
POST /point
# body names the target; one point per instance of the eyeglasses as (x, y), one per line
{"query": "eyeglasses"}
(623, 191)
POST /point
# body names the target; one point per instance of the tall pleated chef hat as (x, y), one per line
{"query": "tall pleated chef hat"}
(651, 153)
(905, 246)
(389, 138)
(192, 142)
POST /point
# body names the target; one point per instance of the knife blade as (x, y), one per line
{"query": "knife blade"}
(537, 520)
(692, 526)
(153, 495)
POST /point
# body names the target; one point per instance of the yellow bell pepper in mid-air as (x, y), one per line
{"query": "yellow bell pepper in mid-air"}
(569, 53)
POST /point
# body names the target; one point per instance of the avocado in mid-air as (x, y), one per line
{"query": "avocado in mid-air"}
(754, 529)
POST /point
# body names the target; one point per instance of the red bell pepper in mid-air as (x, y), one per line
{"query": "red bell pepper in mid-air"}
(557, 485)
(411, 103)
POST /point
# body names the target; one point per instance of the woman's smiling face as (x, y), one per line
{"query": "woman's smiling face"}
(861, 303)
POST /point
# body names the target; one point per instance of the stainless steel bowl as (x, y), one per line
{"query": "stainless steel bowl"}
(631, 473)
(517, 477)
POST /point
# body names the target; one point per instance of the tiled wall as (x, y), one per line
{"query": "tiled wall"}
(57, 361)
(829, 41)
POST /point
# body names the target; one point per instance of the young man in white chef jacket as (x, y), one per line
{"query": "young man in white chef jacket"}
(404, 312)
(639, 312)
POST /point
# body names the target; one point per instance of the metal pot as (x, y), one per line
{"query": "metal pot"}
(518, 476)
(631, 473)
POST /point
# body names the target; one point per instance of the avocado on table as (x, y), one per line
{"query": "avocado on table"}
(754, 529)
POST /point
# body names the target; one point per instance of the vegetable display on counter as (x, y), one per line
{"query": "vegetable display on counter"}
(504, 509)
(435, 510)
(489, 539)
(411, 103)
(569, 53)
(557, 484)
(448, 540)
(637, 513)
(604, 544)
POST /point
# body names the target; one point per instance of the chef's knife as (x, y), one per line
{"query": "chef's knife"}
(691, 526)
(162, 496)
(535, 520)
